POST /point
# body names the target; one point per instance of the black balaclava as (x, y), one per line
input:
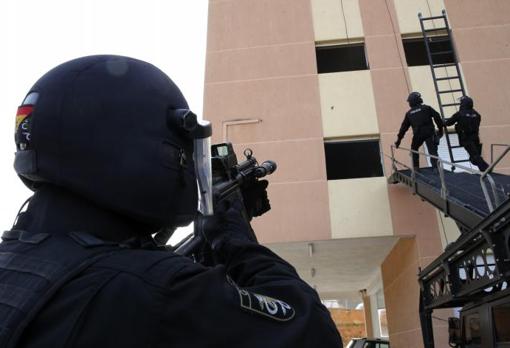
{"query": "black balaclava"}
(466, 103)
(414, 99)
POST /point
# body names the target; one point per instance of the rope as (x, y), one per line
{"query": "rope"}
(397, 45)
(444, 230)
(345, 21)
(440, 319)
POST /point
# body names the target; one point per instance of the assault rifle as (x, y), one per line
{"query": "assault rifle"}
(230, 180)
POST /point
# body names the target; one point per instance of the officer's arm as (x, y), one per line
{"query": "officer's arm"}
(478, 121)
(404, 127)
(254, 300)
(253, 296)
(437, 119)
(452, 120)
(247, 262)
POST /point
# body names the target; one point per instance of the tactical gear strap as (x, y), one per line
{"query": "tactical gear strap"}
(53, 261)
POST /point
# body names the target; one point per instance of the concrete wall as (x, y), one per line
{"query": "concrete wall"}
(335, 20)
(261, 65)
(359, 208)
(392, 83)
(347, 104)
(401, 294)
(407, 13)
(449, 230)
(483, 45)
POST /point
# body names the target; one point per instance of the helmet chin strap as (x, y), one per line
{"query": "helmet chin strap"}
(20, 211)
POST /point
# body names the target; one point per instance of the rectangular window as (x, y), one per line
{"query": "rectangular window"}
(341, 58)
(440, 48)
(353, 159)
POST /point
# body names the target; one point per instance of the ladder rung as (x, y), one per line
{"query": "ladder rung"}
(447, 78)
(432, 18)
(440, 53)
(451, 91)
(452, 104)
(434, 29)
(435, 66)
(439, 39)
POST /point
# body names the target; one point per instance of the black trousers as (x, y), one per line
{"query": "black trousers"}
(474, 149)
(418, 140)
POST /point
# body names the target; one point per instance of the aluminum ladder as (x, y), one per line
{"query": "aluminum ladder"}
(441, 55)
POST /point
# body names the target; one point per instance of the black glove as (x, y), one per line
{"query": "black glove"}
(255, 199)
(437, 137)
(228, 223)
(397, 143)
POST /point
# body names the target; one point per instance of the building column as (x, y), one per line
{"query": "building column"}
(367, 309)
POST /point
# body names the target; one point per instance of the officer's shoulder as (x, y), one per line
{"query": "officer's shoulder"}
(155, 267)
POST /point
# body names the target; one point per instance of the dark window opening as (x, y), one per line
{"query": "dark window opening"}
(353, 159)
(441, 50)
(341, 58)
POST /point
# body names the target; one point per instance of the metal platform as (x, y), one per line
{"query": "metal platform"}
(477, 265)
(464, 200)
(467, 196)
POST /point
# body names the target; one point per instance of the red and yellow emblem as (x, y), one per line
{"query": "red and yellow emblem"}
(23, 112)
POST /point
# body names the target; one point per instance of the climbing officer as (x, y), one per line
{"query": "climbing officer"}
(420, 117)
(107, 145)
(467, 125)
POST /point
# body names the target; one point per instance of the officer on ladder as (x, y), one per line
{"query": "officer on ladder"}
(107, 145)
(467, 125)
(420, 117)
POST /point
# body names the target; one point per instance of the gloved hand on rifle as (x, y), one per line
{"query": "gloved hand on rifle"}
(231, 217)
(255, 199)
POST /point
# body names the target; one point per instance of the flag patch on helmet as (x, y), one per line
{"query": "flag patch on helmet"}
(22, 130)
(23, 113)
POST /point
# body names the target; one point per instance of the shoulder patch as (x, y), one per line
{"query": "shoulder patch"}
(264, 305)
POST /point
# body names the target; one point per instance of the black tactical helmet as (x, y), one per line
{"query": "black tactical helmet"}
(414, 99)
(114, 130)
(466, 102)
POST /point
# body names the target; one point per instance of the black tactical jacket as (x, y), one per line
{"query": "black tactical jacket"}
(138, 296)
(419, 118)
(467, 123)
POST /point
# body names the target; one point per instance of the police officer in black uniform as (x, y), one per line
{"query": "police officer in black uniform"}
(467, 125)
(420, 117)
(107, 144)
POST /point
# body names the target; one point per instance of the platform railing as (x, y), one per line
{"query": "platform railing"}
(489, 170)
(493, 146)
(484, 176)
